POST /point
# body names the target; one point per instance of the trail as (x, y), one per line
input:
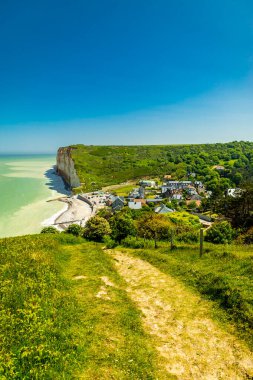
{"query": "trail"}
(190, 344)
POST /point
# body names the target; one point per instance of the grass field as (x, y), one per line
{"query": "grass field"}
(65, 314)
(37, 311)
(72, 310)
(122, 190)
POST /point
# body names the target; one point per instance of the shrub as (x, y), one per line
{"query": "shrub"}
(154, 226)
(247, 237)
(134, 242)
(220, 233)
(188, 236)
(122, 225)
(184, 221)
(49, 230)
(74, 229)
(109, 242)
(96, 229)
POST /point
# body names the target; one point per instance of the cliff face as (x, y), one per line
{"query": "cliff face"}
(66, 167)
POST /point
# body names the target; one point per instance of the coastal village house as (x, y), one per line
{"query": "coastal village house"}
(116, 203)
(175, 185)
(135, 205)
(162, 209)
(137, 193)
(147, 183)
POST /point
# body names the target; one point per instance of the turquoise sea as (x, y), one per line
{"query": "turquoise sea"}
(26, 183)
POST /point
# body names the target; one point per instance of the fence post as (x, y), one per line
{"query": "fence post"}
(171, 240)
(201, 242)
(155, 239)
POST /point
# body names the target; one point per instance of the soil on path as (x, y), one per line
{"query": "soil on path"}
(190, 344)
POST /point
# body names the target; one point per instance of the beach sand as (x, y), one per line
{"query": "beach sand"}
(78, 212)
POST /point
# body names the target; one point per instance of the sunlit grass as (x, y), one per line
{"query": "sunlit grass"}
(65, 313)
(223, 274)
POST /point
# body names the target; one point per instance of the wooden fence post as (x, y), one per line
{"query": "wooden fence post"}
(201, 242)
(171, 240)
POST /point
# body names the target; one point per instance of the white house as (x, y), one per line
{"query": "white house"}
(135, 205)
(147, 183)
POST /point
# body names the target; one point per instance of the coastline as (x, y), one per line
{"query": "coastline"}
(74, 211)
(29, 186)
(39, 193)
(51, 221)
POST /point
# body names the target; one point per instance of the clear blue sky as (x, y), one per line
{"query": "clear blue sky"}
(124, 72)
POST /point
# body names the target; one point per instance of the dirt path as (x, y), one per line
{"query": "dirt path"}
(190, 344)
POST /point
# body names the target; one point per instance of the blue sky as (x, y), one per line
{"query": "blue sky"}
(124, 72)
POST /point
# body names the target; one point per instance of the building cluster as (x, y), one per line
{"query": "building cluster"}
(149, 192)
(183, 190)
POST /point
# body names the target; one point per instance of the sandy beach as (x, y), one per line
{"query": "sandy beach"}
(76, 211)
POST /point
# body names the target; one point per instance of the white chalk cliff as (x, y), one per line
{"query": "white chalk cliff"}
(66, 167)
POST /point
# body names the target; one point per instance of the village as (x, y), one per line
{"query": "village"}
(163, 197)
(150, 193)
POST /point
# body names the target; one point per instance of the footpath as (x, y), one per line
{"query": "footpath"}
(189, 343)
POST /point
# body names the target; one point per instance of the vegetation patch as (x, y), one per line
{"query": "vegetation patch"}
(99, 166)
(112, 342)
(65, 314)
(36, 311)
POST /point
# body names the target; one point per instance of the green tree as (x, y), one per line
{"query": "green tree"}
(96, 229)
(49, 230)
(192, 205)
(122, 225)
(156, 227)
(239, 208)
(74, 229)
(220, 233)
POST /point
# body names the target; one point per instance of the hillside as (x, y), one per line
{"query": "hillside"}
(99, 166)
(65, 314)
(71, 309)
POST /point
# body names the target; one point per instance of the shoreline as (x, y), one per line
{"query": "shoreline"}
(29, 185)
(74, 211)
(51, 221)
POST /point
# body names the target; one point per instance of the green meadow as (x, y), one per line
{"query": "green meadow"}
(58, 322)
(68, 310)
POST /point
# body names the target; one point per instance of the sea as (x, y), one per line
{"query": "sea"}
(28, 184)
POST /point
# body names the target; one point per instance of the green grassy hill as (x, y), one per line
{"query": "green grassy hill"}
(72, 310)
(99, 166)
(60, 320)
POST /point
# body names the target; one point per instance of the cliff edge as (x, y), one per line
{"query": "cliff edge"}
(66, 166)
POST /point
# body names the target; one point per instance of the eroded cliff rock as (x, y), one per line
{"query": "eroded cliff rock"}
(66, 166)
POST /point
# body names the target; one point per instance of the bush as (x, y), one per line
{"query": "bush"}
(96, 229)
(134, 242)
(188, 237)
(220, 233)
(122, 225)
(247, 237)
(49, 230)
(109, 242)
(184, 221)
(154, 226)
(74, 229)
